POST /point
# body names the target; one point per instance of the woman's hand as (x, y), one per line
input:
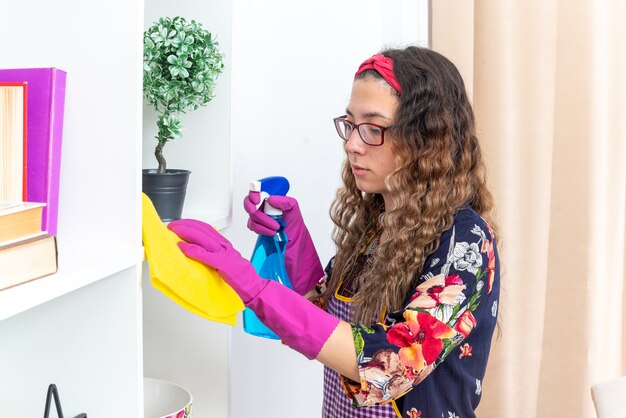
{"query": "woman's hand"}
(204, 244)
(301, 260)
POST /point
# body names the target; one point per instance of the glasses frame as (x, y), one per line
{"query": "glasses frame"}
(357, 127)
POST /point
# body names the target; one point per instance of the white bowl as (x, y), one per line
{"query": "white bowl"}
(163, 399)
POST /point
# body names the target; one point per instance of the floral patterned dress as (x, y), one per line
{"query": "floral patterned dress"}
(428, 359)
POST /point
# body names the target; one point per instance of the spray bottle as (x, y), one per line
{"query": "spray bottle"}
(268, 256)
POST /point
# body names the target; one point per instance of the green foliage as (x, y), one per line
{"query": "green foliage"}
(181, 62)
(170, 127)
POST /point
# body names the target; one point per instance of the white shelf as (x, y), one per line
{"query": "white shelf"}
(82, 269)
(81, 272)
(217, 220)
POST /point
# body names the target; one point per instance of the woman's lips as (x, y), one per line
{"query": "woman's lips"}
(358, 170)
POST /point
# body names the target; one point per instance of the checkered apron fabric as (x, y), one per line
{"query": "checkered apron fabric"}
(336, 403)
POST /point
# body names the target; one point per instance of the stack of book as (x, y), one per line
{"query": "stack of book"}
(31, 125)
(26, 252)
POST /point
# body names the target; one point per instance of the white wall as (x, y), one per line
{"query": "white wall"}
(292, 70)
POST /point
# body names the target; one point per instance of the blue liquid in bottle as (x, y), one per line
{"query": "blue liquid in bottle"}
(268, 259)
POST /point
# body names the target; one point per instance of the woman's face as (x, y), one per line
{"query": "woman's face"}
(372, 101)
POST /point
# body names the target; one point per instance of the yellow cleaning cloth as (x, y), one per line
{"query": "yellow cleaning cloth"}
(191, 284)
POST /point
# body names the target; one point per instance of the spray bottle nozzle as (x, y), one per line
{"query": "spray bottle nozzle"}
(270, 186)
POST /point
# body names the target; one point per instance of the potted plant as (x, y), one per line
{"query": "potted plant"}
(181, 62)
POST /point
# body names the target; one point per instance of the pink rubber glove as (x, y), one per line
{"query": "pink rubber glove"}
(301, 260)
(300, 324)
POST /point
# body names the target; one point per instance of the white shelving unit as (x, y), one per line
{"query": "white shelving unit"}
(81, 328)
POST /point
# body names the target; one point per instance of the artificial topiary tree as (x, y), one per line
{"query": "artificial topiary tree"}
(181, 63)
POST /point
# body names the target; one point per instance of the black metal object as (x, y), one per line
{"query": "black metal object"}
(53, 392)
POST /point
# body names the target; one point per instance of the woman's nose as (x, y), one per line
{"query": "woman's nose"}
(354, 144)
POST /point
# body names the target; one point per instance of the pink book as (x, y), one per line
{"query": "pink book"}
(46, 101)
(24, 87)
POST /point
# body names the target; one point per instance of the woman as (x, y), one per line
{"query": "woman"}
(410, 300)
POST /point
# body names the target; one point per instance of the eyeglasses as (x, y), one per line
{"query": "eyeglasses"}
(370, 133)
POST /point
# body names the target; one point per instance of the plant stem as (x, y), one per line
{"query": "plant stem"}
(158, 153)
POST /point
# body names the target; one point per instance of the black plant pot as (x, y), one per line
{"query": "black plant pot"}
(167, 191)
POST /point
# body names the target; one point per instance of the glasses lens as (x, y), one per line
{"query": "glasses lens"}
(371, 134)
(344, 128)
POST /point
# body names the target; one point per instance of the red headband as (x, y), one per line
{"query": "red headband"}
(384, 66)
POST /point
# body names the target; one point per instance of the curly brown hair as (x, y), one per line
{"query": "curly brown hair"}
(440, 168)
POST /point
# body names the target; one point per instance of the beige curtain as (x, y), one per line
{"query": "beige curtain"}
(548, 81)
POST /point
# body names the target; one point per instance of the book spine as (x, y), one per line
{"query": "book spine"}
(39, 139)
(57, 110)
(25, 146)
